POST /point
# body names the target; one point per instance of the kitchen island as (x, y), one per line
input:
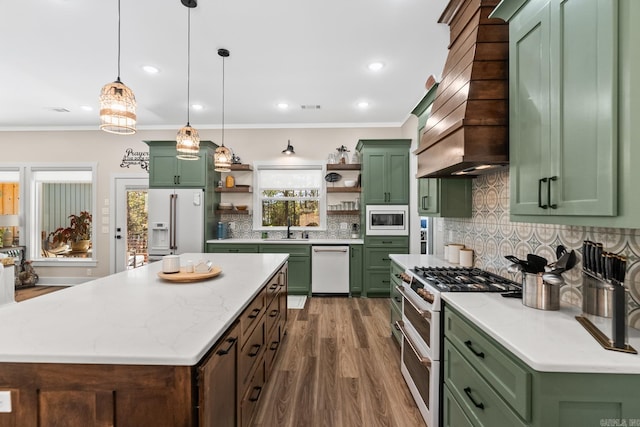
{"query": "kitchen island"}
(132, 349)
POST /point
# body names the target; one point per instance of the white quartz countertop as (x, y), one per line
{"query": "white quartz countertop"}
(134, 317)
(292, 241)
(547, 341)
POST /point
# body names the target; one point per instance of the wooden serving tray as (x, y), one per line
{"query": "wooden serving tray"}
(184, 277)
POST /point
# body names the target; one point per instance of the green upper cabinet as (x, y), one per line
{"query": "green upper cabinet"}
(563, 62)
(385, 171)
(167, 171)
(446, 197)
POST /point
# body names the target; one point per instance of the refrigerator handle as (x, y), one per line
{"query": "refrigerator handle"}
(172, 221)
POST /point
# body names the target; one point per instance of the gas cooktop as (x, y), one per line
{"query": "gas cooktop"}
(460, 279)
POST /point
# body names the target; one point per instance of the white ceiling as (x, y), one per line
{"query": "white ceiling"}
(59, 54)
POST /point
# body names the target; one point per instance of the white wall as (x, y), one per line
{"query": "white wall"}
(108, 151)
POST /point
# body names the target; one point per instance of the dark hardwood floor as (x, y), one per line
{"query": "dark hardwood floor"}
(338, 368)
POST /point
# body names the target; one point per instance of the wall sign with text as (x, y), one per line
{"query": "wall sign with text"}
(135, 158)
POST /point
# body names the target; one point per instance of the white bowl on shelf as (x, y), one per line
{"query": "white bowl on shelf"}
(349, 183)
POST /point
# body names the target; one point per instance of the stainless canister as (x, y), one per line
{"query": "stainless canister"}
(537, 293)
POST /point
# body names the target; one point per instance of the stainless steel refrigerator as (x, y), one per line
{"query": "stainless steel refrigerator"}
(178, 221)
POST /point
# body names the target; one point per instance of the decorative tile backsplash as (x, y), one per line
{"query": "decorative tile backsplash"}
(492, 235)
(244, 227)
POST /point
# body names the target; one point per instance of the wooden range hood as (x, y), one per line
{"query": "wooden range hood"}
(467, 132)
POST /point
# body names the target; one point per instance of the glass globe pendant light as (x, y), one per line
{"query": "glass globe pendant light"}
(223, 156)
(188, 139)
(117, 103)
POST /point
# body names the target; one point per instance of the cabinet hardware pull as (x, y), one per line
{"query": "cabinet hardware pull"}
(234, 250)
(232, 342)
(469, 345)
(386, 259)
(274, 345)
(273, 313)
(274, 287)
(384, 242)
(424, 202)
(398, 299)
(423, 360)
(480, 405)
(255, 352)
(254, 398)
(254, 313)
(540, 181)
(551, 205)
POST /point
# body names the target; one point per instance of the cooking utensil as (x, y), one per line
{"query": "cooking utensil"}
(536, 262)
(515, 259)
(560, 250)
(553, 279)
(515, 268)
(571, 261)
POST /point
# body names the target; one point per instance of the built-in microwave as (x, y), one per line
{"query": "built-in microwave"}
(387, 220)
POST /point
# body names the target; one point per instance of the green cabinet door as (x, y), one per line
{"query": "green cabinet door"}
(529, 121)
(385, 171)
(167, 171)
(299, 265)
(445, 197)
(355, 269)
(563, 108)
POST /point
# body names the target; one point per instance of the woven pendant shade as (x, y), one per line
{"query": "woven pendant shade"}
(117, 109)
(188, 143)
(222, 159)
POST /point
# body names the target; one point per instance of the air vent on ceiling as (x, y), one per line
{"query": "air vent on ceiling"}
(59, 109)
(310, 107)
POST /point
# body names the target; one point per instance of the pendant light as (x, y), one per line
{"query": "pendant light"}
(188, 140)
(222, 156)
(289, 150)
(117, 103)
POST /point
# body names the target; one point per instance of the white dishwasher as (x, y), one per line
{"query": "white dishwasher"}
(330, 270)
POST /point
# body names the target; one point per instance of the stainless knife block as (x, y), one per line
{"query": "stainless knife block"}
(605, 299)
(597, 296)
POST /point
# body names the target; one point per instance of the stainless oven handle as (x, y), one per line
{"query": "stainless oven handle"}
(425, 361)
(424, 313)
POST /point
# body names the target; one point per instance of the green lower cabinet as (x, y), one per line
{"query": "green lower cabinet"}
(486, 385)
(355, 270)
(225, 248)
(299, 265)
(452, 413)
(396, 315)
(568, 399)
(376, 283)
(396, 301)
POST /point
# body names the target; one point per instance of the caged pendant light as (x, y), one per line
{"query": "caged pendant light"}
(117, 103)
(188, 140)
(223, 156)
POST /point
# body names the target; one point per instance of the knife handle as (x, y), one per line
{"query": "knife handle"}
(598, 257)
(585, 262)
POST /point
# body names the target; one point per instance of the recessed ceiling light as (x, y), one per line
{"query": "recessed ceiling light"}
(86, 108)
(197, 107)
(151, 69)
(363, 104)
(376, 66)
(283, 105)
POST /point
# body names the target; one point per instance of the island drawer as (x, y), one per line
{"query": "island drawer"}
(510, 380)
(273, 344)
(253, 313)
(479, 401)
(251, 399)
(250, 353)
(274, 312)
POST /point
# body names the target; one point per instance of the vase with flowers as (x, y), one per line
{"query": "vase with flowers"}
(77, 234)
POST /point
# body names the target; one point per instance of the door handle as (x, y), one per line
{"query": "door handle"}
(551, 205)
(424, 202)
(540, 205)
